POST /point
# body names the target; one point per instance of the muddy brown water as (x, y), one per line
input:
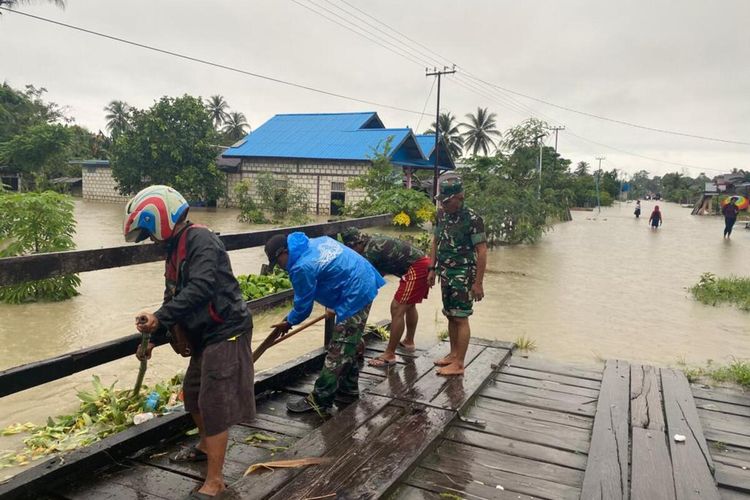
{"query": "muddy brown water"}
(601, 286)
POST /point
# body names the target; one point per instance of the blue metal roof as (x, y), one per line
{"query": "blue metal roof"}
(327, 136)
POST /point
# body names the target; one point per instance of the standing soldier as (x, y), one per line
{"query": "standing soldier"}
(202, 298)
(324, 270)
(459, 255)
(397, 257)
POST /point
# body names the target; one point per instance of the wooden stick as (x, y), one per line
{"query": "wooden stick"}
(273, 338)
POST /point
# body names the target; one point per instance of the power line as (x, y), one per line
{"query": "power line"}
(209, 63)
(424, 108)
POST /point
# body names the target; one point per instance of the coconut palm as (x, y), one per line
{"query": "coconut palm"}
(217, 107)
(13, 3)
(480, 129)
(450, 133)
(118, 117)
(582, 169)
(235, 126)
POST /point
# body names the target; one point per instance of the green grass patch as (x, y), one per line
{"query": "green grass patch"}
(443, 335)
(712, 290)
(736, 372)
(525, 343)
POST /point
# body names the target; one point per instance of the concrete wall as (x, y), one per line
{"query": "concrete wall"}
(316, 177)
(99, 185)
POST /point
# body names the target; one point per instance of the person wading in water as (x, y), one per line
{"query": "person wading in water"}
(730, 212)
(655, 220)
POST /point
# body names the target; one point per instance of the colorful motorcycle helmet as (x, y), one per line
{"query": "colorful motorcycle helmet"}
(154, 212)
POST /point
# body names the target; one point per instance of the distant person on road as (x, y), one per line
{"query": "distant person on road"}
(637, 209)
(203, 299)
(459, 257)
(325, 271)
(394, 256)
(655, 220)
(730, 212)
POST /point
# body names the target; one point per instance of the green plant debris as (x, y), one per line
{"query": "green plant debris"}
(381, 331)
(259, 437)
(443, 335)
(736, 372)
(103, 411)
(712, 290)
(524, 343)
(450, 496)
(255, 286)
(719, 446)
(192, 432)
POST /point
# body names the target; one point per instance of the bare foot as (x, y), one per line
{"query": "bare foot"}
(382, 361)
(450, 358)
(451, 370)
(212, 488)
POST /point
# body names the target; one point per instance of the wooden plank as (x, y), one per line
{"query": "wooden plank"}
(724, 437)
(547, 366)
(45, 265)
(730, 494)
(457, 391)
(497, 344)
(720, 407)
(730, 455)
(460, 462)
(652, 467)
(370, 411)
(406, 492)
(466, 487)
(530, 430)
(369, 463)
(29, 375)
(452, 456)
(606, 475)
(723, 395)
(149, 481)
(733, 477)
(573, 399)
(646, 409)
(548, 385)
(725, 422)
(555, 417)
(523, 398)
(510, 446)
(691, 460)
(552, 377)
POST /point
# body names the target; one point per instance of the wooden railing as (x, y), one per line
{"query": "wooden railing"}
(33, 267)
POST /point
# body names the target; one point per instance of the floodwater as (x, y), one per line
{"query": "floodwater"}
(601, 286)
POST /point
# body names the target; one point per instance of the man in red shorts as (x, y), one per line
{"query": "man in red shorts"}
(393, 256)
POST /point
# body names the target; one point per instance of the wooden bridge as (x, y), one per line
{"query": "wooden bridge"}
(510, 428)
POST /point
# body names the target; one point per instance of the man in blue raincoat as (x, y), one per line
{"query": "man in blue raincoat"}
(324, 270)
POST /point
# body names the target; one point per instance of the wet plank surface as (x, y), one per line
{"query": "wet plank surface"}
(727, 430)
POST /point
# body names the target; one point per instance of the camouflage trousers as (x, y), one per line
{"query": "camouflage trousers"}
(455, 286)
(340, 372)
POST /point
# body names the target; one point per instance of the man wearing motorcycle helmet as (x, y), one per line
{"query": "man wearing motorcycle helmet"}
(202, 298)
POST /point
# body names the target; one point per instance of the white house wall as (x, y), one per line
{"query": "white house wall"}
(99, 185)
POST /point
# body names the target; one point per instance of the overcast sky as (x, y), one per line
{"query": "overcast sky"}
(682, 66)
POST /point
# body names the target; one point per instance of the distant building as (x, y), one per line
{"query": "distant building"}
(97, 181)
(321, 152)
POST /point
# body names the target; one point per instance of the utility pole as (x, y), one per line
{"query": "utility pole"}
(539, 165)
(598, 174)
(556, 130)
(438, 73)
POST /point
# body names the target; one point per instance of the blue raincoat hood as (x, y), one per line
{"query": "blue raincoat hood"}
(325, 271)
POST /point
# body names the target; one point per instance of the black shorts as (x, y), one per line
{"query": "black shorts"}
(219, 385)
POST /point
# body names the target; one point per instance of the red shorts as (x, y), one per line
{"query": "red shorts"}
(413, 287)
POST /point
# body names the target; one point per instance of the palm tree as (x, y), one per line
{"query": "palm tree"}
(582, 169)
(217, 107)
(450, 133)
(480, 130)
(118, 117)
(12, 3)
(236, 126)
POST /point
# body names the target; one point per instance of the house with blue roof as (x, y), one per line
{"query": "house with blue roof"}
(320, 152)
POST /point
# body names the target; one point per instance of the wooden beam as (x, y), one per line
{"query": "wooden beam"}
(33, 374)
(15, 270)
(606, 475)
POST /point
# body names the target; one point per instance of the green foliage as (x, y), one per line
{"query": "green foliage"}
(384, 193)
(271, 200)
(102, 412)
(525, 343)
(37, 223)
(443, 335)
(255, 286)
(481, 129)
(421, 240)
(736, 372)
(713, 290)
(451, 134)
(172, 143)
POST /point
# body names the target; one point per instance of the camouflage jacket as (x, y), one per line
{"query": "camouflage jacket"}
(456, 235)
(391, 255)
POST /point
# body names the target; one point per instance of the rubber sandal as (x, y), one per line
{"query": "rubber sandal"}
(191, 454)
(381, 363)
(405, 348)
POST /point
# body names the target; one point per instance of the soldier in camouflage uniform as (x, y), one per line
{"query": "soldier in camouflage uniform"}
(459, 255)
(397, 257)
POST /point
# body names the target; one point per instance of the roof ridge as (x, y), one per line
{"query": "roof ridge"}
(328, 114)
